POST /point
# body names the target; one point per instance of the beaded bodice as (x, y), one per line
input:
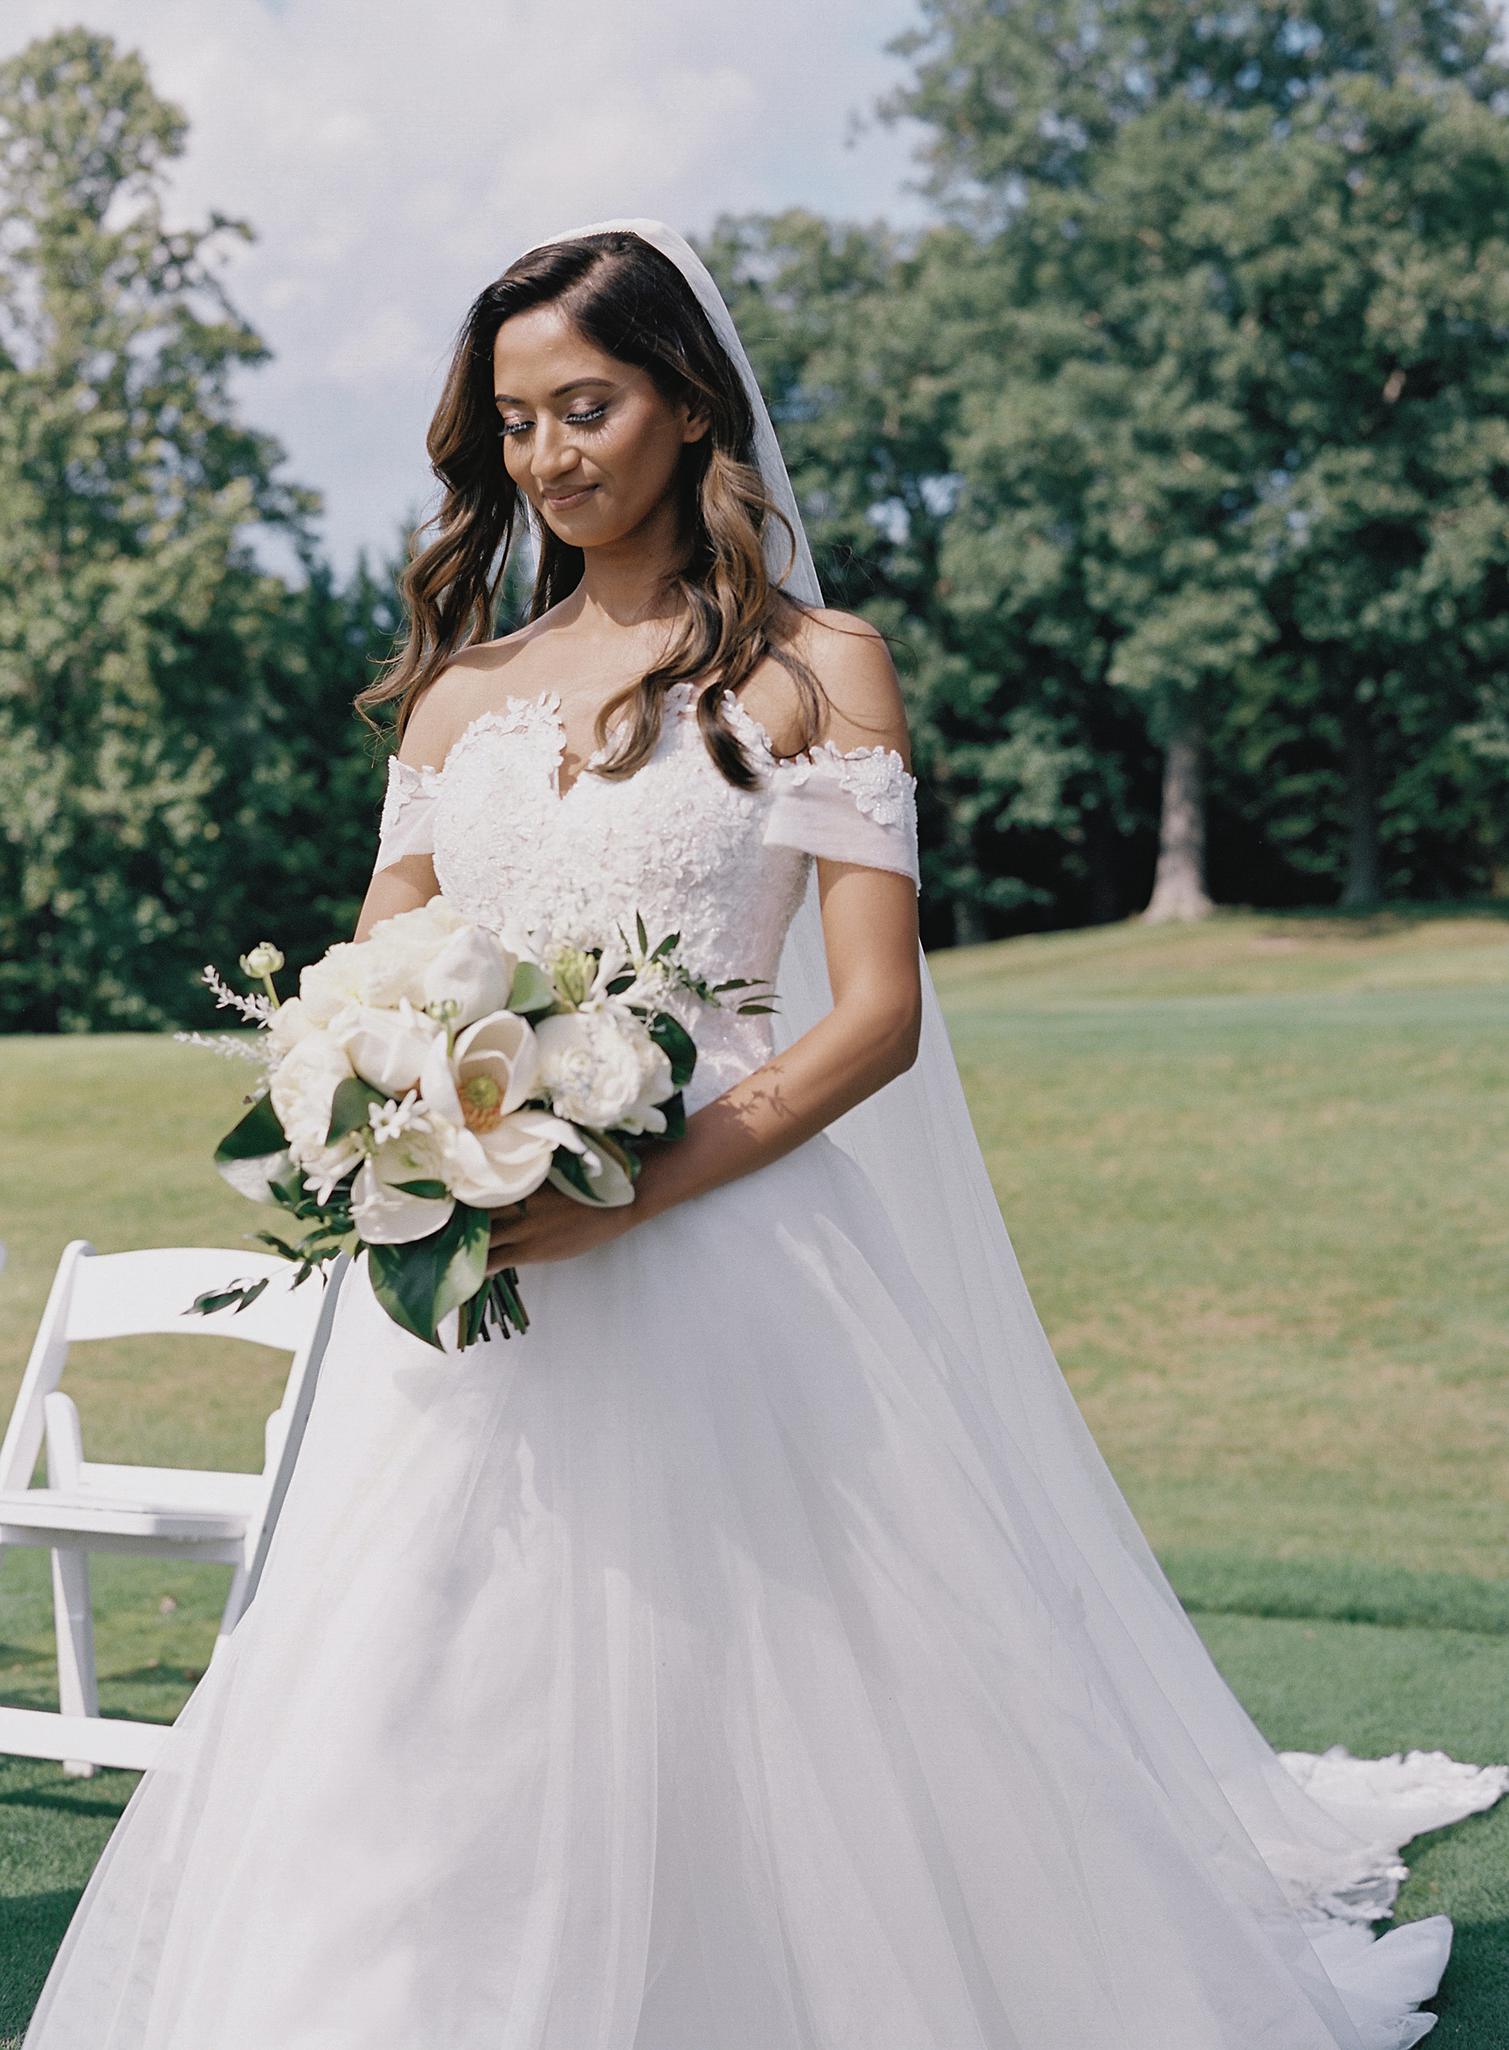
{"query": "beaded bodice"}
(675, 842)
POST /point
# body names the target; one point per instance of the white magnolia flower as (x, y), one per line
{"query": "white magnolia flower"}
(474, 970)
(488, 1073)
(509, 1159)
(383, 1213)
(600, 1067)
(386, 1047)
(302, 1089)
(610, 1180)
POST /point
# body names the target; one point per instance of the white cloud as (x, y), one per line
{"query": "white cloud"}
(392, 159)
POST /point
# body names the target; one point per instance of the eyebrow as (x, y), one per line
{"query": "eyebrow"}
(505, 397)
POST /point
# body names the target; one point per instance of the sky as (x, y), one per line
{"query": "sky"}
(393, 158)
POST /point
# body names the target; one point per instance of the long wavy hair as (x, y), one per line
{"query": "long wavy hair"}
(633, 303)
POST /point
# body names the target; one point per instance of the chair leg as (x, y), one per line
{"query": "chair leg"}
(235, 1604)
(73, 1626)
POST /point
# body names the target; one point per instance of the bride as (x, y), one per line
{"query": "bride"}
(757, 1653)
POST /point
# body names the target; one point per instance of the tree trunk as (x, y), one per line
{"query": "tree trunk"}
(969, 926)
(1179, 882)
(1364, 884)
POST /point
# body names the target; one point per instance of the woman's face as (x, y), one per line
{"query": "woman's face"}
(590, 441)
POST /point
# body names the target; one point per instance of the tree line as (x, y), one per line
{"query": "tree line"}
(1173, 455)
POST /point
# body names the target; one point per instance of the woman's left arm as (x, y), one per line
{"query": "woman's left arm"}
(869, 917)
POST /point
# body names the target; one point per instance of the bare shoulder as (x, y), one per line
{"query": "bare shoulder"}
(852, 662)
(467, 685)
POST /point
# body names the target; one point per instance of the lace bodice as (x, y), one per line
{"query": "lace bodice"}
(675, 841)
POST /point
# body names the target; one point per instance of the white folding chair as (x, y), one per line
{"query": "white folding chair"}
(210, 1516)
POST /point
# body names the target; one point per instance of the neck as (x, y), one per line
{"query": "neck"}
(623, 583)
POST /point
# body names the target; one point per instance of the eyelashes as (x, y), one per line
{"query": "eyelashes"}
(512, 429)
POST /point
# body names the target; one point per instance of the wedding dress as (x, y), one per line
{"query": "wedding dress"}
(756, 1654)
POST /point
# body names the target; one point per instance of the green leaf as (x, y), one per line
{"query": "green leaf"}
(531, 989)
(569, 1166)
(671, 939)
(677, 1044)
(257, 1135)
(419, 1283)
(426, 1187)
(644, 938)
(349, 1106)
(220, 1299)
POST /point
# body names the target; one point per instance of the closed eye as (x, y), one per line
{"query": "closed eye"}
(512, 428)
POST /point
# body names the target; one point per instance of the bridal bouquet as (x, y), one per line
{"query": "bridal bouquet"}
(429, 1074)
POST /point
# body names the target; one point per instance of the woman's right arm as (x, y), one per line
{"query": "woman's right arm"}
(404, 875)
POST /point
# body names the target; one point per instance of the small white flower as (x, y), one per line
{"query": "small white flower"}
(391, 1120)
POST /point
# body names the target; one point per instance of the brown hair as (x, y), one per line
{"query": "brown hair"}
(634, 303)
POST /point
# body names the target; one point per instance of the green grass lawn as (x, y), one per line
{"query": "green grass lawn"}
(1255, 1175)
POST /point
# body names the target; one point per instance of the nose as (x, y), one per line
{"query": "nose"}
(554, 454)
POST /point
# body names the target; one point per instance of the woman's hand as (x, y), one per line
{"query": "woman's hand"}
(548, 1225)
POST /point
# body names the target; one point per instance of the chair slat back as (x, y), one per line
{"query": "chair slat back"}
(119, 1295)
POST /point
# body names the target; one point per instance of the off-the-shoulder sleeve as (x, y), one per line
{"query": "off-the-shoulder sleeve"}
(858, 804)
(408, 806)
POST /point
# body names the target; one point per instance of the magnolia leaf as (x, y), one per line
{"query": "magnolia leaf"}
(531, 988)
(349, 1107)
(420, 1282)
(672, 1037)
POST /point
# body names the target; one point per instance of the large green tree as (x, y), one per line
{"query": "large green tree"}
(1133, 420)
(137, 633)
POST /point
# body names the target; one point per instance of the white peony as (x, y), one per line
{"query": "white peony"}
(386, 1048)
(587, 1068)
(288, 1024)
(599, 1066)
(388, 964)
(302, 1089)
(338, 977)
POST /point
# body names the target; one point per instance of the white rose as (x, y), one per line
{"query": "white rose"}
(302, 1089)
(474, 970)
(386, 1048)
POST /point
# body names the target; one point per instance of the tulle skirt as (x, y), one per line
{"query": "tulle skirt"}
(703, 1670)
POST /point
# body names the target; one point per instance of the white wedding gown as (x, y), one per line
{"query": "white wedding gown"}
(706, 1669)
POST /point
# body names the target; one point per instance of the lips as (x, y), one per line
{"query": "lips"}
(562, 499)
